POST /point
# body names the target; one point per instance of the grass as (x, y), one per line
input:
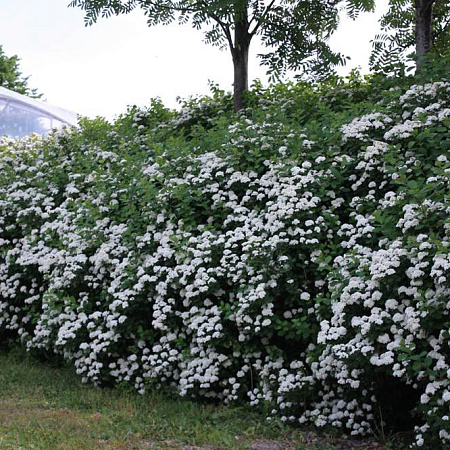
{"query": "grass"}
(46, 407)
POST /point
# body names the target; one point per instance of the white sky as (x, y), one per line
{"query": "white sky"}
(120, 61)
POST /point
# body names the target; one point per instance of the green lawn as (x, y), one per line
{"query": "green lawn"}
(45, 407)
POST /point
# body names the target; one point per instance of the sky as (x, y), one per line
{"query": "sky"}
(120, 61)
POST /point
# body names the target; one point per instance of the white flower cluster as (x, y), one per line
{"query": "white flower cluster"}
(360, 127)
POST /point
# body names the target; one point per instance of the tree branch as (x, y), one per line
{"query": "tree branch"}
(261, 19)
(225, 26)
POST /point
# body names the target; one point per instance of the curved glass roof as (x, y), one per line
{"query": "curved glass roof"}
(21, 115)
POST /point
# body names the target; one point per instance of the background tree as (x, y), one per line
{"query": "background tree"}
(296, 32)
(411, 28)
(11, 77)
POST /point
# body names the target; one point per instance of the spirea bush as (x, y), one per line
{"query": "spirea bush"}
(295, 256)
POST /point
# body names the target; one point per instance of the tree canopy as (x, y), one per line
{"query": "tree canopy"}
(295, 32)
(11, 77)
(411, 29)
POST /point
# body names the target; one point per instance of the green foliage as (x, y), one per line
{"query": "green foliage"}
(11, 77)
(393, 48)
(294, 256)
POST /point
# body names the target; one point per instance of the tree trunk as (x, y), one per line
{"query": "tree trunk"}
(424, 15)
(239, 53)
(240, 62)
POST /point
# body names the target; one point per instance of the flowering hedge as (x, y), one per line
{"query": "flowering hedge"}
(294, 257)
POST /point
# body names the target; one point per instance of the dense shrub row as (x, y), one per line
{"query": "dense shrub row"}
(295, 256)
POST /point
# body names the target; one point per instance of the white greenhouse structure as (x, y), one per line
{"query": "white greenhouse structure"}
(21, 116)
